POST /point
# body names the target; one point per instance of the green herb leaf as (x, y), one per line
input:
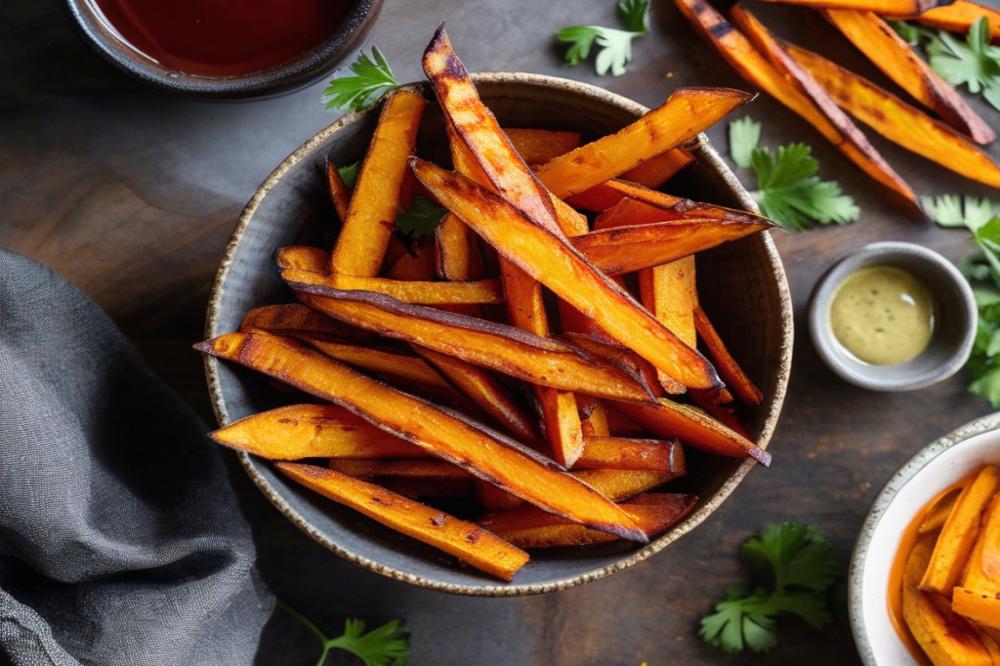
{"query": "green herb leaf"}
(389, 645)
(911, 34)
(421, 218)
(372, 78)
(349, 174)
(951, 210)
(802, 570)
(744, 135)
(615, 45)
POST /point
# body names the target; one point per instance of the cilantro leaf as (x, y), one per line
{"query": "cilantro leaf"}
(388, 645)
(950, 210)
(744, 135)
(802, 570)
(911, 34)
(372, 78)
(349, 174)
(421, 218)
(615, 45)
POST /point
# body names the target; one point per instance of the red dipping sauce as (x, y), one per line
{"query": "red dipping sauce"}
(224, 37)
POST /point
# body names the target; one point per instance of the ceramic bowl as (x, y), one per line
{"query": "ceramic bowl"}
(285, 77)
(742, 283)
(955, 316)
(930, 471)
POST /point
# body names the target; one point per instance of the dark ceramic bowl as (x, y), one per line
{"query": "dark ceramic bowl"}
(742, 285)
(286, 77)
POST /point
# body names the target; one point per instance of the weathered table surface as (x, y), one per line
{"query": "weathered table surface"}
(132, 195)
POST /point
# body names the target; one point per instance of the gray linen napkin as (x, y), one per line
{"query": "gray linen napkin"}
(120, 538)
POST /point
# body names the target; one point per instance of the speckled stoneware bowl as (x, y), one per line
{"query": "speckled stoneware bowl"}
(930, 471)
(295, 73)
(742, 283)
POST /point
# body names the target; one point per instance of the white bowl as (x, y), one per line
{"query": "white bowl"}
(930, 471)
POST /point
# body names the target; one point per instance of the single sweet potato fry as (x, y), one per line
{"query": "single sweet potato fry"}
(865, 154)
(887, 51)
(593, 417)
(422, 292)
(375, 203)
(670, 292)
(982, 570)
(621, 453)
(554, 263)
(340, 194)
(957, 17)
(483, 453)
(636, 204)
(686, 112)
(624, 359)
(538, 146)
(897, 121)
(503, 348)
(466, 541)
(528, 527)
(693, 427)
(879, 6)
(657, 170)
(958, 535)
(753, 66)
(622, 250)
(303, 258)
(622, 484)
(978, 606)
(944, 636)
(298, 317)
(487, 392)
(936, 515)
(410, 477)
(417, 264)
(458, 255)
(729, 369)
(312, 431)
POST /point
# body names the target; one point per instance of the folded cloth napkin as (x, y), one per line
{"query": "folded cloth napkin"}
(120, 538)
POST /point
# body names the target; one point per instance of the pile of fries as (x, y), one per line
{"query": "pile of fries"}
(556, 422)
(824, 93)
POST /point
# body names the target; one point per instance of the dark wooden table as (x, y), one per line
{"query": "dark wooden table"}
(132, 195)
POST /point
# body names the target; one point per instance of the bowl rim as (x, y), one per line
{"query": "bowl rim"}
(900, 478)
(709, 154)
(282, 78)
(873, 254)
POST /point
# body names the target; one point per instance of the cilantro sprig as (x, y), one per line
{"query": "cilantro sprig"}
(372, 77)
(388, 645)
(788, 190)
(801, 569)
(982, 218)
(974, 63)
(421, 218)
(615, 44)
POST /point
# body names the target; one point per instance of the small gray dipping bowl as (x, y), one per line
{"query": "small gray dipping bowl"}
(955, 317)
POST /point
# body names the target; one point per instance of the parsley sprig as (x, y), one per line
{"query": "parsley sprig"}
(974, 63)
(389, 645)
(788, 190)
(982, 218)
(801, 570)
(421, 218)
(615, 45)
(372, 77)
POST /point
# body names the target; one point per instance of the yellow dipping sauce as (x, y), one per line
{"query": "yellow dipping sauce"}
(882, 315)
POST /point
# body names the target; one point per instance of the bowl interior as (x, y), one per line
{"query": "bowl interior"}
(928, 473)
(742, 283)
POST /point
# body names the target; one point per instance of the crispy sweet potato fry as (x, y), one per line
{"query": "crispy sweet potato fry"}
(753, 66)
(489, 394)
(729, 369)
(418, 264)
(406, 291)
(538, 146)
(887, 50)
(861, 150)
(880, 6)
(466, 541)
(635, 204)
(527, 527)
(297, 317)
(375, 204)
(686, 112)
(340, 194)
(503, 348)
(410, 477)
(458, 251)
(621, 453)
(671, 294)
(623, 484)
(936, 515)
(957, 537)
(657, 170)
(556, 265)
(897, 121)
(692, 426)
(623, 250)
(303, 258)
(312, 431)
(977, 606)
(945, 637)
(958, 17)
(486, 454)
(593, 417)
(625, 359)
